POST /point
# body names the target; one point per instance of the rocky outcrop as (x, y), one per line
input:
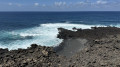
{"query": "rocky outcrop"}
(34, 56)
(103, 50)
(93, 33)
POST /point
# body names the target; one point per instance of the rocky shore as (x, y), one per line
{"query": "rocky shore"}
(34, 56)
(96, 47)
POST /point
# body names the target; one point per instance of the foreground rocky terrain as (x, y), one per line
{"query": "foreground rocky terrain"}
(103, 52)
(101, 49)
(34, 56)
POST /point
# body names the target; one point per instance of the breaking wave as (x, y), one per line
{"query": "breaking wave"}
(44, 34)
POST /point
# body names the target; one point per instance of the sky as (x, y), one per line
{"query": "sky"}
(59, 5)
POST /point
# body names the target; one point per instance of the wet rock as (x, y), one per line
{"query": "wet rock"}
(34, 45)
(3, 50)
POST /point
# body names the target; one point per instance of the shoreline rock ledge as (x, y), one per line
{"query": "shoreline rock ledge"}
(102, 50)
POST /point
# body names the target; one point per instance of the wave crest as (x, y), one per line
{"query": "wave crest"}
(44, 35)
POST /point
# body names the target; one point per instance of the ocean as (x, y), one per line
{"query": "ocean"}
(21, 29)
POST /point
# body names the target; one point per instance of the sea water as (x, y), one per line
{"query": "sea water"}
(21, 29)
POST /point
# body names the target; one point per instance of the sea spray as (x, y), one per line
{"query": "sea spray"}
(45, 35)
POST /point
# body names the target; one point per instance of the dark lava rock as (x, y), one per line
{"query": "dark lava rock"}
(94, 33)
(34, 56)
(103, 51)
(3, 51)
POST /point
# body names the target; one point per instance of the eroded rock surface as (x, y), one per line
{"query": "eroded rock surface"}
(102, 50)
(34, 56)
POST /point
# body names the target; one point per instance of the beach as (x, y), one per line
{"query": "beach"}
(96, 47)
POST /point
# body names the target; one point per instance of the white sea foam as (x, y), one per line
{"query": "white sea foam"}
(45, 35)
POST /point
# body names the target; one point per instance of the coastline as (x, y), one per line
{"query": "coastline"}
(98, 46)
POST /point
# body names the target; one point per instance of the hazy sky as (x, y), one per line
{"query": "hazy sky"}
(59, 5)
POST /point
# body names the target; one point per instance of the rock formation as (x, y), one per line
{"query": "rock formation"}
(101, 49)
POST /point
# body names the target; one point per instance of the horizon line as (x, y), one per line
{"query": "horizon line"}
(59, 11)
